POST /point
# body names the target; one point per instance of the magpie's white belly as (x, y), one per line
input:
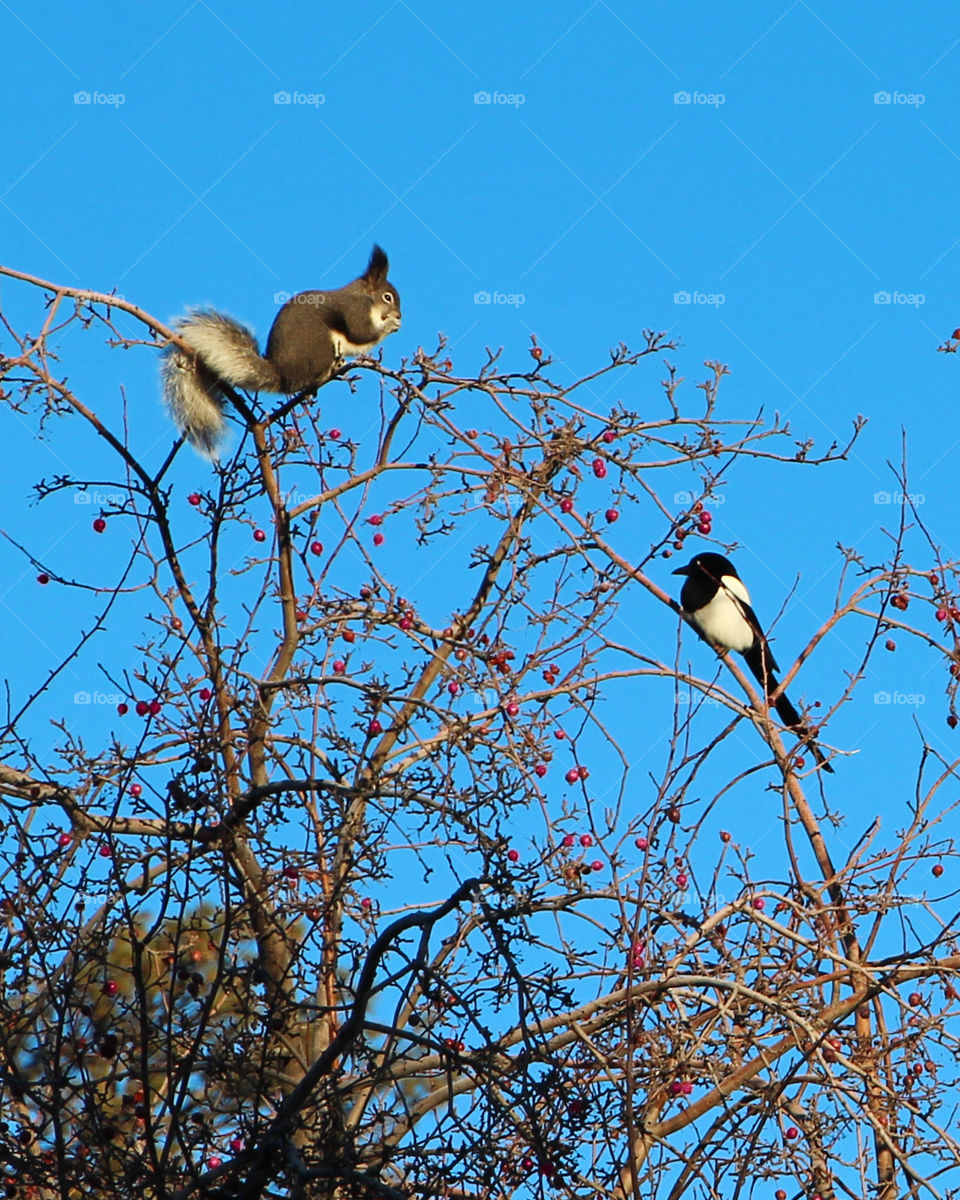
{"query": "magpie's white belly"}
(722, 622)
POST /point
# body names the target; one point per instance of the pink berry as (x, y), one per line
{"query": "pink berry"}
(566, 504)
(572, 776)
(105, 851)
(111, 987)
(374, 727)
(641, 843)
(339, 667)
(540, 770)
(609, 435)
(136, 789)
(406, 621)
(335, 434)
(596, 865)
(681, 880)
(204, 693)
(213, 1162)
(513, 855)
(453, 687)
(376, 519)
(512, 708)
(759, 903)
(378, 539)
(687, 1087)
(99, 525)
(676, 1087)
(194, 499)
(316, 547)
(599, 468)
(569, 840)
(259, 535)
(366, 902)
(942, 614)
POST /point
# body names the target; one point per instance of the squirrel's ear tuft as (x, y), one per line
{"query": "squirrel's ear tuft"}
(377, 266)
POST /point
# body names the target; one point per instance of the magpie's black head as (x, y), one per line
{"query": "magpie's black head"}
(713, 566)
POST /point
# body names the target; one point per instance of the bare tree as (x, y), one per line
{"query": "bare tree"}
(331, 907)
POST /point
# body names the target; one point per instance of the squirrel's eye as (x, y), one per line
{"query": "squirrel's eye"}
(388, 297)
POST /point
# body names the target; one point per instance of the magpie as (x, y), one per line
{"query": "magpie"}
(717, 602)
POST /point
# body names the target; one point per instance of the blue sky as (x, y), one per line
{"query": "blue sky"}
(791, 170)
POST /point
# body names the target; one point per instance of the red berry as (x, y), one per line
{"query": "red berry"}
(599, 468)
(291, 873)
(513, 855)
(676, 1087)
(612, 514)
(937, 870)
(259, 535)
(725, 836)
(99, 525)
(376, 519)
(915, 999)
(956, 334)
(568, 840)
(583, 772)
(65, 839)
(213, 1162)
(111, 987)
(453, 687)
(673, 814)
(609, 435)
(204, 693)
(194, 499)
(780, 1194)
(566, 504)
(316, 547)
(136, 789)
(154, 707)
(335, 434)
(378, 539)
(759, 903)
(374, 727)
(952, 720)
(236, 1145)
(536, 352)
(349, 636)
(681, 880)
(572, 776)
(586, 839)
(339, 667)
(889, 644)
(596, 865)
(105, 851)
(641, 843)
(540, 770)
(123, 709)
(512, 708)
(142, 708)
(366, 903)
(43, 578)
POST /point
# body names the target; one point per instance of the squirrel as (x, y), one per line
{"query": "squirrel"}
(311, 336)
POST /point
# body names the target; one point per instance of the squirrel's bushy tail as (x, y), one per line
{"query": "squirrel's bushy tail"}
(226, 352)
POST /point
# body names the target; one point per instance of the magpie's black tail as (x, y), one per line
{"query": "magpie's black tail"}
(761, 662)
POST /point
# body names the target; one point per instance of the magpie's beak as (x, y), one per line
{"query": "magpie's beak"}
(681, 571)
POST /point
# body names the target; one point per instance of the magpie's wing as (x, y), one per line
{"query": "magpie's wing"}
(760, 651)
